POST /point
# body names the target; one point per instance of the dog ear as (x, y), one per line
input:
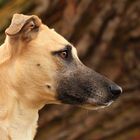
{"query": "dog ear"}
(23, 26)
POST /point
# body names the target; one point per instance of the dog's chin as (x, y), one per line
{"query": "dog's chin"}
(94, 105)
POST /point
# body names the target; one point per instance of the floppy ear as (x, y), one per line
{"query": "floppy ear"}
(23, 27)
(21, 30)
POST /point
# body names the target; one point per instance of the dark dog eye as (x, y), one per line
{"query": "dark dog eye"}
(64, 54)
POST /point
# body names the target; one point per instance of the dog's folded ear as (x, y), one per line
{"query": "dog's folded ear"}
(22, 25)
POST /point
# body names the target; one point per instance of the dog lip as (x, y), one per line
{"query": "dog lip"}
(95, 106)
(92, 101)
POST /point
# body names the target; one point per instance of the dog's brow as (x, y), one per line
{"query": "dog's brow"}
(67, 47)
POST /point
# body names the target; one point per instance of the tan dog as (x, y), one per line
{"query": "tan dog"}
(38, 67)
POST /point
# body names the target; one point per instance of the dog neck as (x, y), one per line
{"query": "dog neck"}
(24, 118)
(18, 120)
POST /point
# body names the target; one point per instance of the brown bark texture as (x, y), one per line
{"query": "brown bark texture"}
(106, 34)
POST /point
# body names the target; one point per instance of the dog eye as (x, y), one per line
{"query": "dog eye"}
(63, 54)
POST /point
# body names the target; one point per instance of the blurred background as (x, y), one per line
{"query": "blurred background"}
(106, 34)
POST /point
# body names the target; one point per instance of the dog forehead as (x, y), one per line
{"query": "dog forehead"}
(52, 39)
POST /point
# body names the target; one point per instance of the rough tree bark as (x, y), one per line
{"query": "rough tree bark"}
(106, 34)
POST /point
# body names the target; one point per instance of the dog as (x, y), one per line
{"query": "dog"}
(37, 67)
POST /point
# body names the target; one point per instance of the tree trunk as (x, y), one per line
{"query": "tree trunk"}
(106, 34)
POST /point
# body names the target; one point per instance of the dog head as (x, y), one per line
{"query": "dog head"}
(46, 68)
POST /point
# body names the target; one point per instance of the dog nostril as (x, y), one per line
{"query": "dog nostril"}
(115, 90)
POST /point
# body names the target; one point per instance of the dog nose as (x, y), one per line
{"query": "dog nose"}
(115, 90)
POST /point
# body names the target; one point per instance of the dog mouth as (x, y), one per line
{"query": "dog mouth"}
(90, 103)
(93, 104)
